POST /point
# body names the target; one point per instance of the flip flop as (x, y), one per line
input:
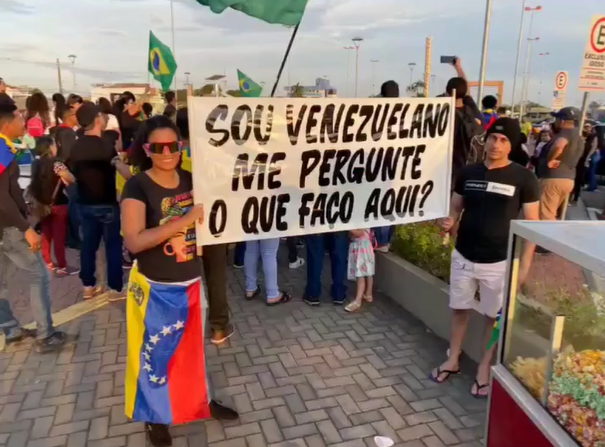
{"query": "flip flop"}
(479, 388)
(254, 295)
(440, 371)
(285, 297)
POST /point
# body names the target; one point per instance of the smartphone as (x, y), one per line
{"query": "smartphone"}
(448, 60)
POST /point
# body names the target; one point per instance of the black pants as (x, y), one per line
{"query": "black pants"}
(215, 271)
(292, 250)
(580, 177)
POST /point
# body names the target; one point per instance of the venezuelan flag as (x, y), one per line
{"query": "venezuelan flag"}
(7, 153)
(165, 372)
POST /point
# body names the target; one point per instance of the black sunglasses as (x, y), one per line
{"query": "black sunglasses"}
(158, 148)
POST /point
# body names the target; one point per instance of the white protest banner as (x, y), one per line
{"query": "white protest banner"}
(268, 168)
(592, 76)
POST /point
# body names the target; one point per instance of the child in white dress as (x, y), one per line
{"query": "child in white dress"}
(361, 267)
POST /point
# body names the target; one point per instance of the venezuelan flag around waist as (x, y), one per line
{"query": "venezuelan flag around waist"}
(165, 372)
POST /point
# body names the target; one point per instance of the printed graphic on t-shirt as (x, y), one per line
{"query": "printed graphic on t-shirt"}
(494, 187)
(182, 244)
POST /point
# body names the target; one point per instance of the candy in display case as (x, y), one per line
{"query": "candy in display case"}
(552, 353)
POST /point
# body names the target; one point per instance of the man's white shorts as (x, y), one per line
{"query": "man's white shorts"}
(467, 276)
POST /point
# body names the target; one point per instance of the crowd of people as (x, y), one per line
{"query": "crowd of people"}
(116, 177)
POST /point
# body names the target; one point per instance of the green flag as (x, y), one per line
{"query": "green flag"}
(161, 62)
(286, 12)
(247, 86)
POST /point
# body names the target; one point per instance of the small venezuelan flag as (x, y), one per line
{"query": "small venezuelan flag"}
(7, 153)
(165, 373)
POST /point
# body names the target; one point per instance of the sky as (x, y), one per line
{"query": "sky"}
(110, 40)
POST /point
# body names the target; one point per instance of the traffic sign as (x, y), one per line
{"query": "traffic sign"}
(560, 91)
(592, 76)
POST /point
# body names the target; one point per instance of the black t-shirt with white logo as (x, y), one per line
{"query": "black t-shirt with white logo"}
(492, 198)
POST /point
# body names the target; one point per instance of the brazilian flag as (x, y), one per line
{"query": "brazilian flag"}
(247, 86)
(285, 12)
(161, 62)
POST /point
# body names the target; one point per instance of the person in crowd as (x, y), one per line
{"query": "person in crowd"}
(389, 89)
(337, 245)
(4, 98)
(502, 112)
(108, 111)
(74, 101)
(159, 228)
(558, 161)
(526, 126)
(590, 148)
(479, 260)
(543, 139)
(50, 176)
(37, 116)
(239, 255)
(59, 104)
(90, 161)
(467, 123)
(147, 110)
(215, 256)
(170, 109)
(65, 135)
(130, 118)
(490, 115)
(361, 267)
(520, 154)
(265, 249)
(593, 158)
(21, 243)
(294, 261)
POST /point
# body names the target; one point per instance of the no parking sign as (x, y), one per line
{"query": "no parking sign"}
(560, 91)
(592, 76)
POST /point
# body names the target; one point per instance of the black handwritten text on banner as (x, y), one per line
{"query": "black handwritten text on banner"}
(267, 168)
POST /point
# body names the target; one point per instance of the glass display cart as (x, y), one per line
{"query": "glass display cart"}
(548, 385)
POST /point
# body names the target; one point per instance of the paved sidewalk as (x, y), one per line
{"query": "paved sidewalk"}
(299, 376)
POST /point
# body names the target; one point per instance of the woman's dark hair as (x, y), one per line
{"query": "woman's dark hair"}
(147, 109)
(128, 96)
(136, 153)
(38, 105)
(43, 177)
(59, 101)
(106, 106)
(74, 99)
(523, 139)
(182, 122)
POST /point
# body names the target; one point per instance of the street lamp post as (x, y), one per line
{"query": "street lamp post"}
(357, 42)
(531, 24)
(374, 62)
(530, 42)
(187, 78)
(542, 58)
(348, 64)
(486, 28)
(412, 65)
(72, 58)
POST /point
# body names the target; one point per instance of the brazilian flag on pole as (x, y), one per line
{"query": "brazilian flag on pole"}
(247, 87)
(161, 62)
(286, 12)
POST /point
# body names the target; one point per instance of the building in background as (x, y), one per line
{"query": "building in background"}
(143, 92)
(321, 89)
(19, 94)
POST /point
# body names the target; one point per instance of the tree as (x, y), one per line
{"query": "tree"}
(298, 91)
(207, 90)
(417, 89)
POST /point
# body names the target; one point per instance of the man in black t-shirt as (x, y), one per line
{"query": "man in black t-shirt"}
(90, 161)
(488, 196)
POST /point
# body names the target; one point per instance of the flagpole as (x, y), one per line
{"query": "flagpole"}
(285, 59)
(173, 47)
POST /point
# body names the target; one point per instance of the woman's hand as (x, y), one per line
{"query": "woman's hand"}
(196, 213)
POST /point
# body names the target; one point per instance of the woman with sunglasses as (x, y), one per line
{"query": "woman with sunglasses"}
(166, 374)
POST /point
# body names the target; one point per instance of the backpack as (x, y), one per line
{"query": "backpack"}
(471, 136)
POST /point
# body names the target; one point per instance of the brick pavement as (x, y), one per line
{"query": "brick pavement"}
(299, 376)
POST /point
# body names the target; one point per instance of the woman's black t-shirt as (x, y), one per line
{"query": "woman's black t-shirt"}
(174, 260)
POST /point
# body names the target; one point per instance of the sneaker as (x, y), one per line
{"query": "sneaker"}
(158, 435)
(52, 343)
(383, 248)
(296, 264)
(67, 271)
(17, 333)
(221, 335)
(114, 296)
(338, 302)
(311, 302)
(91, 292)
(222, 413)
(238, 266)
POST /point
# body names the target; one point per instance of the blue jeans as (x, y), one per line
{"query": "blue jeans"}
(15, 252)
(384, 235)
(101, 221)
(240, 252)
(338, 246)
(592, 172)
(267, 251)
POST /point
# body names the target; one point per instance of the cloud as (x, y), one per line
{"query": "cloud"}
(16, 7)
